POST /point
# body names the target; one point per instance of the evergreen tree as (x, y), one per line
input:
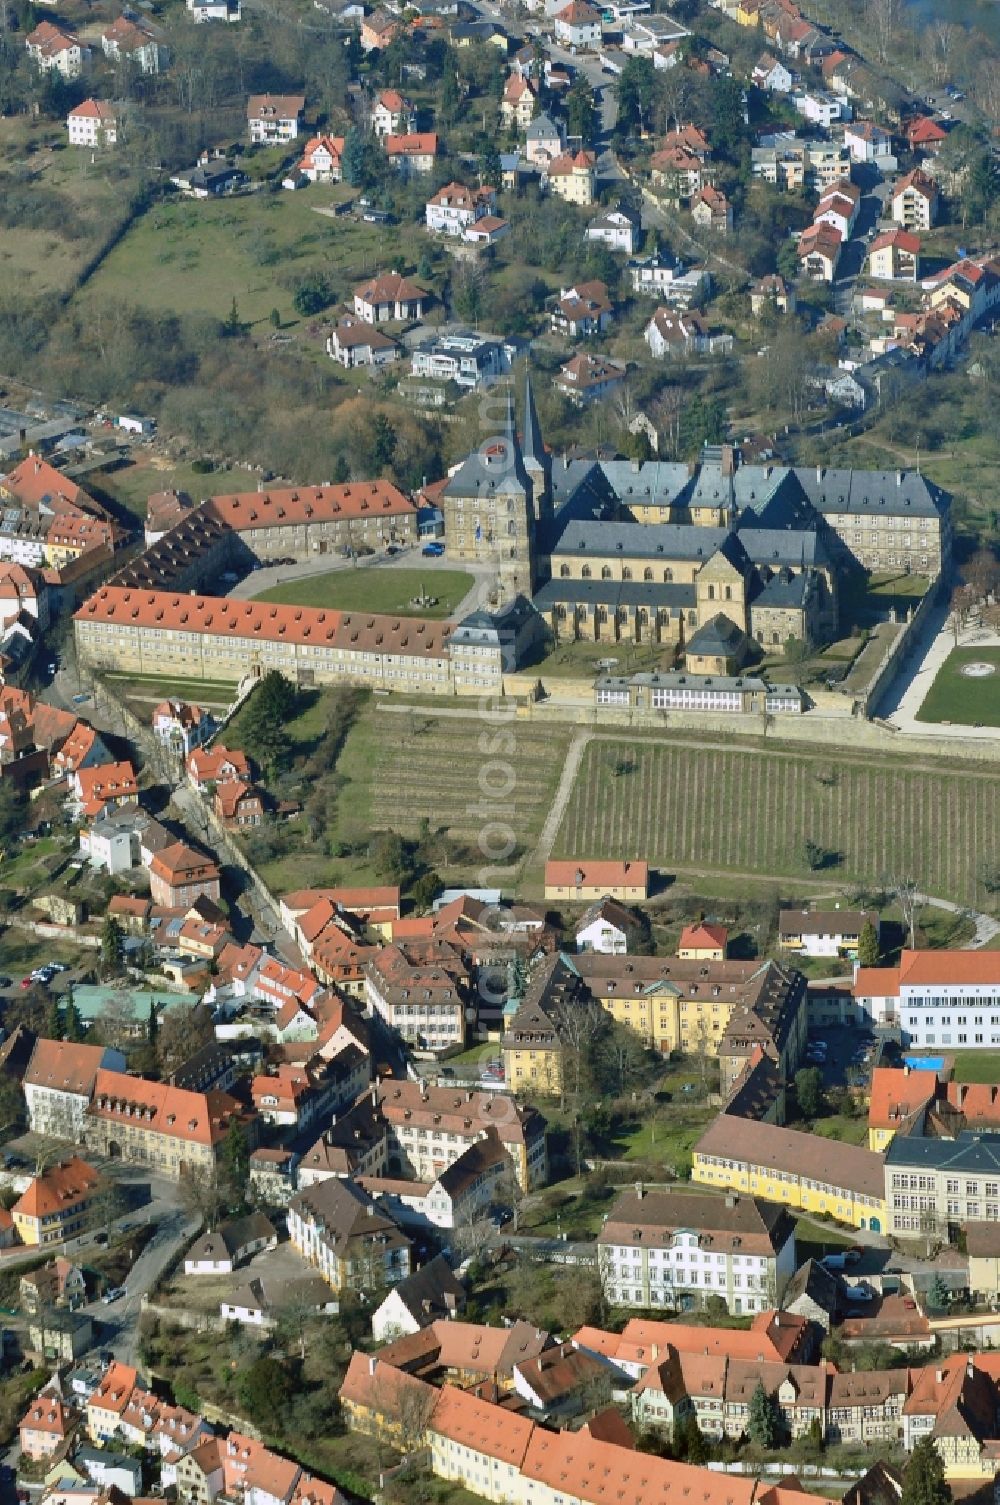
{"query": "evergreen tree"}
(868, 952)
(449, 94)
(53, 1021)
(153, 1025)
(581, 113)
(939, 1296)
(809, 1091)
(696, 1448)
(490, 168)
(112, 946)
(924, 1482)
(634, 89)
(762, 1421)
(383, 441)
(353, 159)
(265, 718)
(72, 1023)
(236, 1165)
(232, 325)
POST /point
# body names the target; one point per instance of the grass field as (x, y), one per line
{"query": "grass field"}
(367, 589)
(976, 1065)
(751, 811)
(199, 255)
(956, 698)
(131, 485)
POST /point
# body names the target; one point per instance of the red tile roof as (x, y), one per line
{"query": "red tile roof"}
(294, 505)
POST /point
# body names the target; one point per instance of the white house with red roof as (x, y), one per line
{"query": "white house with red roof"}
(894, 256)
(92, 124)
(520, 98)
(454, 208)
(322, 159)
(578, 25)
(53, 49)
(135, 43)
(819, 251)
(274, 118)
(105, 787)
(182, 727)
(389, 296)
(589, 378)
(213, 765)
(915, 201)
(412, 151)
(392, 114)
(870, 143)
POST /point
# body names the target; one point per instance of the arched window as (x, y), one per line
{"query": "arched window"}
(585, 572)
(776, 638)
(647, 573)
(511, 529)
(711, 592)
(623, 613)
(643, 615)
(626, 573)
(605, 572)
(564, 572)
(692, 619)
(668, 577)
(729, 593)
(602, 613)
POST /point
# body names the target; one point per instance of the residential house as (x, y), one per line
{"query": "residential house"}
(678, 172)
(703, 941)
(46, 1426)
(571, 176)
(821, 109)
(869, 143)
(378, 30)
(182, 727)
(675, 1249)
(207, 766)
(412, 152)
(898, 1098)
(982, 1243)
(926, 135)
(532, 1044)
(582, 311)
(585, 882)
(590, 378)
(59, 1083)
(54, 49)
(519, 102)
(135, 43)
(467, 359)
(230, 1245)
(915, 201)
(578, 26)
(428, 1128)
(894, 256)
(427, 1295)
(673, 335)
(60, 1283)
(669, 281)
(109, 1401)
(354, 342)
(819, 251)
(238, 804)
(337, 1227)
(94, 124)
(455, 208)
(229, 11)
(423, 1001)
(392, 114)
(460, 1195)
(772, 75)
(839, 207)
(607, 927)
(107, 786)
(274, 119)
(543, 141)
(178, 875)
(322, 159)
(389, 296)
(711, 210)
(57, 1204)
(824, 932)
(772, 292)
(620, 229)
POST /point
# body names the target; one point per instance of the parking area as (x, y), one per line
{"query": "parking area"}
(846, 1056)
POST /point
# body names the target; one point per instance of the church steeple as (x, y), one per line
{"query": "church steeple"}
(536, 461)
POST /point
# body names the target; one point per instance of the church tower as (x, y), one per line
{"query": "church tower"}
(536, 461)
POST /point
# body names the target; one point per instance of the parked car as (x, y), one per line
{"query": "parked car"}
(432, 550)
(6, 982)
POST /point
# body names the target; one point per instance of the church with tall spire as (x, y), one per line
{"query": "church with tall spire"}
(494, 500)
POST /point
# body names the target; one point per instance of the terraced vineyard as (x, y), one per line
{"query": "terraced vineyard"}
(752, 811)
(456, 774)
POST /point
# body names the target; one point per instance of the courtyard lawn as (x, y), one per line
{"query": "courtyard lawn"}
(376, 589)
(961, 699)
(976, 1065)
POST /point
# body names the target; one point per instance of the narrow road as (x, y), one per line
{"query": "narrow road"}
(567, 780)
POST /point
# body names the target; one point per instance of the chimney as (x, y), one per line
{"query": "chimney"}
(970, 1367)
(939, 1376)
(819, 474)
(899, 478)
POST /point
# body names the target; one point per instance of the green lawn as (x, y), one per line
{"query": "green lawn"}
(955, 698)
(976, 1065)
(199, 255)
(131, 485)
(842, 1128)
(376, 589)
(580, 660)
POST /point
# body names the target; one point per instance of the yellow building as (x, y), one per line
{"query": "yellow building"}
(571, 177)
(532, 1046)
(795, 1170)
(56, 1206)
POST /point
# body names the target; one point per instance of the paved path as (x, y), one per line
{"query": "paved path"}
(567, 780)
